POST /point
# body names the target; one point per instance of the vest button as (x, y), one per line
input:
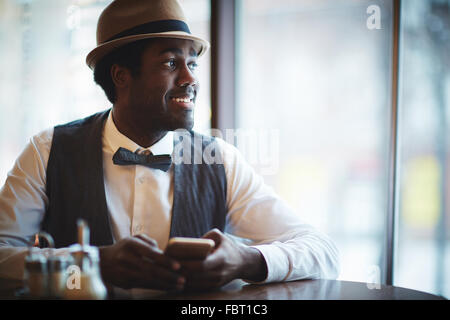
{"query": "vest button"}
(137, 228)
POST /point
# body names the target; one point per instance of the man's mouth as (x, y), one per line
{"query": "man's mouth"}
(184, 101)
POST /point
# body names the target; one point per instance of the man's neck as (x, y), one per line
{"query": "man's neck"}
(132, 132)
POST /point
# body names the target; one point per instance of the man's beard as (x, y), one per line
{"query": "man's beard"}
(166, 121)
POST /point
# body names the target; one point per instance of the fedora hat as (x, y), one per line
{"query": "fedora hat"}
(126, 21)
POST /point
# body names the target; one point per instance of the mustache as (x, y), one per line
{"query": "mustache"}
(187, 91)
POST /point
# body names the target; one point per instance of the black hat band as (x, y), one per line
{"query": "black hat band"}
(153, 27)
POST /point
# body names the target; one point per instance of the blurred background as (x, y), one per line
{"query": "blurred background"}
(317, 72)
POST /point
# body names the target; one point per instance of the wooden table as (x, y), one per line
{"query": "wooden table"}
(295, 290)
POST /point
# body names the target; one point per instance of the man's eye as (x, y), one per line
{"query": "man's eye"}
(193, 66)
(170, 63)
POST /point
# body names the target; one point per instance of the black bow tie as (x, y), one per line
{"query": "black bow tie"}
(124, 157)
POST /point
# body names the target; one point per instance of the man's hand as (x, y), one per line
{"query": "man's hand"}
(228, 261)
(137, 262)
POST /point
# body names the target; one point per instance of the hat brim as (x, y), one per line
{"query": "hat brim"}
(102, 50)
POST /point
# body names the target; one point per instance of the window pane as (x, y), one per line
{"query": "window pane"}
(318, 73)
(424, 218)
(45, 80)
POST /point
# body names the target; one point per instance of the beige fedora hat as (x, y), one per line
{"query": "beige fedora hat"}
(125, 21)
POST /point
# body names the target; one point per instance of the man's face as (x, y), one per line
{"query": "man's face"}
(163, 95)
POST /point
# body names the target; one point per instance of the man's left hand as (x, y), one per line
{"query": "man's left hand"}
(228, 261)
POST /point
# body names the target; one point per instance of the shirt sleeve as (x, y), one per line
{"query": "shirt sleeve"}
(23, 202)
(292, 248)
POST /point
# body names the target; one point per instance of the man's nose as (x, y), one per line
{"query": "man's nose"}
(186, 77)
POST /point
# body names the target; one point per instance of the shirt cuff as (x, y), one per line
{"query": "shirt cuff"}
(278, 268)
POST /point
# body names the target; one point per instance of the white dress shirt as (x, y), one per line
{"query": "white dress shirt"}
(292, 248)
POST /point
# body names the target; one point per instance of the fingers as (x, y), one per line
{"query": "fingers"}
(147, 239)
(216, 235)
(138, 262)
(208, 279)
(207, 273)
(147, 248)
(220, 267)
(156, 269)
(213, 261)
(204, 274)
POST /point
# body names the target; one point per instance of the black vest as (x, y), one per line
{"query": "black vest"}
(75, 186)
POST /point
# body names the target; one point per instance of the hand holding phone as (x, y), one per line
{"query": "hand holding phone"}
(189, 248)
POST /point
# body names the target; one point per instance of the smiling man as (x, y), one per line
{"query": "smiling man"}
(116, 169)
(159, 95)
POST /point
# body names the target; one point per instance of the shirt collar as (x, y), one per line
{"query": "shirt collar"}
(115, 139)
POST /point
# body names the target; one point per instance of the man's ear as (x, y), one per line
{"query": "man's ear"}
(120, 76)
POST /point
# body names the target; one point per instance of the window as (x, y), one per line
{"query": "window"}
(423, 252)
(315, 72)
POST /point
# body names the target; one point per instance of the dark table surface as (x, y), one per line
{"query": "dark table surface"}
(295, 290)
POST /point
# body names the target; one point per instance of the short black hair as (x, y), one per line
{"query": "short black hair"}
(128, 56)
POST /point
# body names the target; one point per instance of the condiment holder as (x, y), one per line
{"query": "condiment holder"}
(71, 276)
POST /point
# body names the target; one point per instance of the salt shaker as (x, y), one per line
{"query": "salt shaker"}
(86, 258)
(57, 275)
(35, 266)
(36, 275)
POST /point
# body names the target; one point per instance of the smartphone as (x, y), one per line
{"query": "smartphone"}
(189, 248)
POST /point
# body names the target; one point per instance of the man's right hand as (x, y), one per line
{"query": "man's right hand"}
(137, 262)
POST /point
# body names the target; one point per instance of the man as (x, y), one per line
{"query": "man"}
(98, 169)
